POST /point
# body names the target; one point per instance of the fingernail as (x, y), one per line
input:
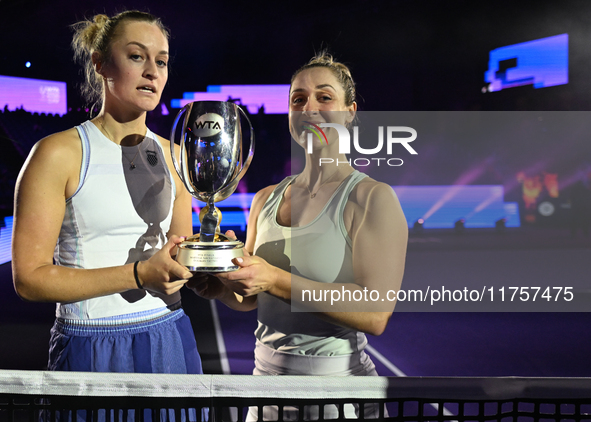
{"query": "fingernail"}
(188, 275)
(240, 260)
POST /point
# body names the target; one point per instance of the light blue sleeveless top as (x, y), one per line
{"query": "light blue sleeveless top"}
(320, 251)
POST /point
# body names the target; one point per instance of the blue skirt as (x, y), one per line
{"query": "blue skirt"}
(163, 345)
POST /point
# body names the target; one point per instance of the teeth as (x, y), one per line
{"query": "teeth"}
(145, 89)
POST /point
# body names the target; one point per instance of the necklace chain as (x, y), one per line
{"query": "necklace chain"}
(132, 166)
(313, 194)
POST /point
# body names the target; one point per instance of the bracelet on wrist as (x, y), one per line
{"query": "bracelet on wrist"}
(135, 275)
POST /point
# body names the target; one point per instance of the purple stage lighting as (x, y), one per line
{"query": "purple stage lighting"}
(33, 95)
(273, 99)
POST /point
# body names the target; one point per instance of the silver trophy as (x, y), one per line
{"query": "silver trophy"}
(210, 166)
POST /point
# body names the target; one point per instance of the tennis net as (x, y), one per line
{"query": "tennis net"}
(32, 396)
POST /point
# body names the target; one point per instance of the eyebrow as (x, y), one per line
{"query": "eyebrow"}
(145, 48)
(322, 86)
(325, 86)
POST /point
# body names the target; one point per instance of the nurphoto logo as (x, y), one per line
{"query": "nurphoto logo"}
(345, 143)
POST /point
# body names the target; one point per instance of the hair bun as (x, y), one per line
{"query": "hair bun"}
(101, 20)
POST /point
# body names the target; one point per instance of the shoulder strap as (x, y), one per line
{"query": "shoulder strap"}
(84, 138)
(354, 179)
(270, 205)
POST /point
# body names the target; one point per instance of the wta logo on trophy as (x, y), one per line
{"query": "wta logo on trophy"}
(207, 125)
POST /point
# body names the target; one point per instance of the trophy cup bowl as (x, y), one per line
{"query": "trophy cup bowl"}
(210, 166)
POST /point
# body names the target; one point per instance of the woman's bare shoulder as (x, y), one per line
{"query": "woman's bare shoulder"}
(163, 141)
(63, 142)
(62, 149)
(374, 197)
(261, 196)
(367, 189)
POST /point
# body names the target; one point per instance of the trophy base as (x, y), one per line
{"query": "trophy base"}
(209, 257)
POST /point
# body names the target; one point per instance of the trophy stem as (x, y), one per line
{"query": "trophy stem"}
(209, 223)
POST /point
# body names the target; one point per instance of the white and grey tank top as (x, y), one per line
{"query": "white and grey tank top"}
(320, 251)
(120, 213)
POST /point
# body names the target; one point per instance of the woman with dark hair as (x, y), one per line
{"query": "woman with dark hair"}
(329, 229)
(98, 212)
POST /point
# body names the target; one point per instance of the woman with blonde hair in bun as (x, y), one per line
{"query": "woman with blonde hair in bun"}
(328, 230)
(98, 215)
